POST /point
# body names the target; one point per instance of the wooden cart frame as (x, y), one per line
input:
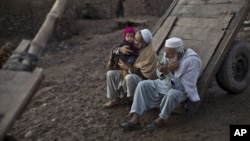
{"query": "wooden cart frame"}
(207, 26)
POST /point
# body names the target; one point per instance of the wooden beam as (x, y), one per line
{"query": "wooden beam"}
(16, 89)
(205, 10)
(23, 46)
(164, 17)
(162, 32)
(215, 23)
(41, 38)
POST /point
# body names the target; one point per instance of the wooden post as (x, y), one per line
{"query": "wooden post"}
(41, 38)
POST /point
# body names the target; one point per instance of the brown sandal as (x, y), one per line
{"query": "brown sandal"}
(111, 104)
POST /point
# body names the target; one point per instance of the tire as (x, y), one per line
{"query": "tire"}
(234, 73)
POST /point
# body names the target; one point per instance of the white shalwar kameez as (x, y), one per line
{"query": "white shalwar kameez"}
(115, 83)
(150, 93)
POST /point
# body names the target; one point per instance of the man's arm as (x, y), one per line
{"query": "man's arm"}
(136, 71)
(189, 72)
(115, 51)
(123, 50)
(131, 69)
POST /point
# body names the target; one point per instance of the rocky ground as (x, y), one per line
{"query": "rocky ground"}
(68, 104)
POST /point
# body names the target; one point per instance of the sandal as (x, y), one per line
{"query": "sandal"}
(152, 126)
(111, 104)
(129, 125)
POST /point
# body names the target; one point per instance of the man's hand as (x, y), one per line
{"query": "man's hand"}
(122, 65)
(162, 68)
(173, 66)
(125, 50)
(166, 68)
(159, 66)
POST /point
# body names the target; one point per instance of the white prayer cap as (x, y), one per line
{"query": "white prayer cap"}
(146, 35)
(173, 43)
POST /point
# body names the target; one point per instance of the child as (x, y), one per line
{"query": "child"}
(128, 39)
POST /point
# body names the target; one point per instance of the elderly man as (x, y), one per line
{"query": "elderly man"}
(186, 66)
(143, 68)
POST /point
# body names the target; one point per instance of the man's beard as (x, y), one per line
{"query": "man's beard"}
(139, 46)
(174, 59)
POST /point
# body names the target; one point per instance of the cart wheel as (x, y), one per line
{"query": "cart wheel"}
(234, 73)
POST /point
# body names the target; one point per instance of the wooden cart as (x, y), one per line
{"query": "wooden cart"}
(210, 27)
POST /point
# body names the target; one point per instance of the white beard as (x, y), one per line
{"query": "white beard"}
(174, 58)
(139, 46)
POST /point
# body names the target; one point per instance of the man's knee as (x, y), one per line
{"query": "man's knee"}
(140, 84)
(145, 83)
(174, 94)
(132, 78)
(110, 73)
(128, 77)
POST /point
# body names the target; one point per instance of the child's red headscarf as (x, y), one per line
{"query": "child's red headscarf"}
(128, 29)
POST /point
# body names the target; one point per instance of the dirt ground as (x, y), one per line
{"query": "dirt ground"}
(68, 104)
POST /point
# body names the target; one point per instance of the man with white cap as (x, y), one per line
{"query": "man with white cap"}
(186, 66)
(143, 68)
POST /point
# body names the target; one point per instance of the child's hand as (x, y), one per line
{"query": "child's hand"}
(125, 50)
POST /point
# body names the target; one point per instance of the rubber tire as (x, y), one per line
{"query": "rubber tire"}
(234, 73)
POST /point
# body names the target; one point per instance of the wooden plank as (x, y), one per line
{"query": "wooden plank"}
(190, 33)
(188, 2)
(23, 46)
(196, 30)
(162, 32)
(16, 89)
(164, 17)
(205, 10)
(206, 48)
(220, 23)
